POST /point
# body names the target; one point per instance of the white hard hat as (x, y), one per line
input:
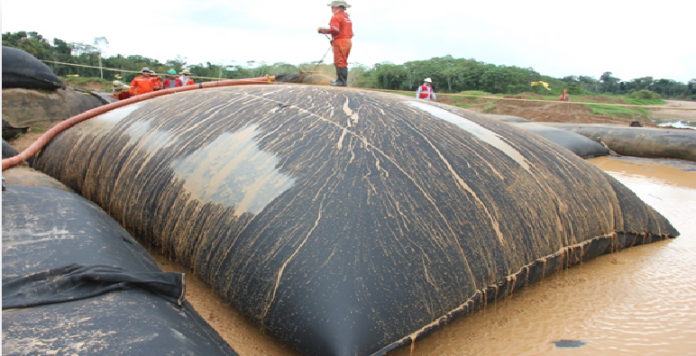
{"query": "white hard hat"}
(428, 80)
(337, 3)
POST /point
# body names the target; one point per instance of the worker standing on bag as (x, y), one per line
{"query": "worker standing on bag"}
(425, 91)
(341, 31)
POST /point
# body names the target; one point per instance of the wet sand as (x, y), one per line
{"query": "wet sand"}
(638, 301)
(670, 113)
(241, 334)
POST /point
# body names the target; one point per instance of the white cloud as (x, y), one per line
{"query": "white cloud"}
(557, 38)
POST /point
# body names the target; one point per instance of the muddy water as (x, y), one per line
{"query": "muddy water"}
(639, 301)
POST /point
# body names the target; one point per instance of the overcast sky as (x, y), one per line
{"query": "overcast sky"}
(631, 39)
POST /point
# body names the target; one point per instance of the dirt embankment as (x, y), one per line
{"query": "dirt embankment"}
(670, 111)
(555, 112)
(570, 112)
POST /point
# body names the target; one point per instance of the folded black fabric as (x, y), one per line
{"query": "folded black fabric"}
(76, 281)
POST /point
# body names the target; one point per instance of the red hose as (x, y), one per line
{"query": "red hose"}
(66, 124)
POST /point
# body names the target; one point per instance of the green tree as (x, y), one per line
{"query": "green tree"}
(608, 81)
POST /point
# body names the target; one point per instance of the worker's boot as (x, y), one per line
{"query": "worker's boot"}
(344, 76)
(341, 77)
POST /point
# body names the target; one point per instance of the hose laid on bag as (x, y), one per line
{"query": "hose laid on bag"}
(66, 124)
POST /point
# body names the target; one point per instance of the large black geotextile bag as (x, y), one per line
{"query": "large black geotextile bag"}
(7, 150)
(346, 222)
(22, 108)
(83, 286)
(21, 70)
(578, 144)
(638, 141)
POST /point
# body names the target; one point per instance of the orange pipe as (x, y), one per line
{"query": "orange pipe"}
(66, 124)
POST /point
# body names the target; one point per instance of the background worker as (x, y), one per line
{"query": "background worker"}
(184, 80)
(426, 91)
(170, 80)
(156, 82)
(121, 91)
(142, 84)
(341, 31)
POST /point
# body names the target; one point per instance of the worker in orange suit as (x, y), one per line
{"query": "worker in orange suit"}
(341, 31)
(142, 84)
(564, 96)
(156, 82)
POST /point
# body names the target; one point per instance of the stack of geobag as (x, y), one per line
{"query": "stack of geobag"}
(75, 282)
(31, 93)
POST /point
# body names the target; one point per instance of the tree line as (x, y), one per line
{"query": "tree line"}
(449, 75)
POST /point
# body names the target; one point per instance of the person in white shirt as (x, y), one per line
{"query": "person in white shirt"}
(425, 91)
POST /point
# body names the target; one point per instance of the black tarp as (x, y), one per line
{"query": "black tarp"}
(56, 246)
(76, 282)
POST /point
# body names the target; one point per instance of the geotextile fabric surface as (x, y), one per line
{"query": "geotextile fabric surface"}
(346, 222)
(22, 107)
(647, 142)
(21, 70)
(578, 144)
(75, 282)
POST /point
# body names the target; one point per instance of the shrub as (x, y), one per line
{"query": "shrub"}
(516, 89)
(644, 95)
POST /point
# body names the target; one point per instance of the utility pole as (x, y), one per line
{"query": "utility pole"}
(99, 42)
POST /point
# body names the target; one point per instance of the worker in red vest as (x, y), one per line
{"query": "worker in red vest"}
(142, 84)
(341, 31)
(170, 80)
(425, 91)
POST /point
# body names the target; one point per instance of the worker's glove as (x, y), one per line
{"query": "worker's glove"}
(331, 41)
(320, 30)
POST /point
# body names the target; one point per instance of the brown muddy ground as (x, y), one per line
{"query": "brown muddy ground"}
(669, 111)
(244, 337)
(574, 113)
(21, 142)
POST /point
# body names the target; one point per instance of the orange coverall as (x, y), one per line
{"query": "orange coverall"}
(142, 85)
(156, 83)
(341, 29)
(122, 96)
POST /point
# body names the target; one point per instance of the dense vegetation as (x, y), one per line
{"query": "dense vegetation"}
(449, 75)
